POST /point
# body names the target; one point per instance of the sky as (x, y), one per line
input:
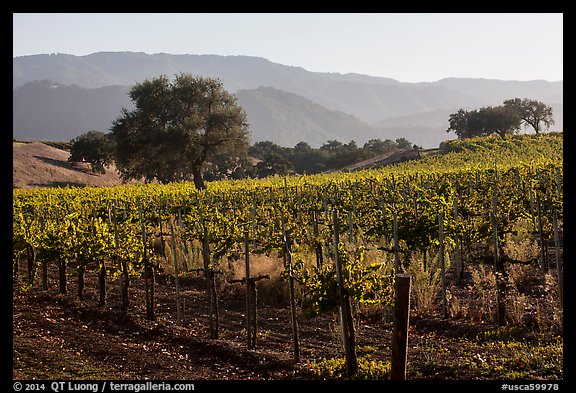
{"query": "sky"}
(408, 47)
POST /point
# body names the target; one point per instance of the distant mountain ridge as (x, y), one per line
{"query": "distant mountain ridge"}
(288, 118)
(48, 110)
(285, 118)
(371, 100)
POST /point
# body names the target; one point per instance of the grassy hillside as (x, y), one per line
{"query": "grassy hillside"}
(473, 153)
(45, 164)
(484, 151)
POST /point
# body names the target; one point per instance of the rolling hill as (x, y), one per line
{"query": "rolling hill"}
(287, 119)
(39, 165)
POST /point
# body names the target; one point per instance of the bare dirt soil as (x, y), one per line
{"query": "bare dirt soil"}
(36, 164)
(61, 337)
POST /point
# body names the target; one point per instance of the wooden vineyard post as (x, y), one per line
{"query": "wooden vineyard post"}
(176, 277)
(251, 298)
(253, 283)
(162, 241)
(249, 341)
(44, 262)
(350, 227)
(125, 279)
(424, 251)
(148, 276)
(30, 254)
(102, 283)
(62, 264)
(325, 206)
(319, 255)
(400, 329)
(253, 215)
(101, 271)
(293, 315)
(442, 263)
(559, 261)
(81, 269)
(182, 242)
(210, 277)
(397, 267)
(499, 270)
(346, 322)
(532, 212)
(543, 242)
(543, 253)
(459, 265)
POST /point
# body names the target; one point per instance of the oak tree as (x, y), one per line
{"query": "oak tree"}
(177, 128)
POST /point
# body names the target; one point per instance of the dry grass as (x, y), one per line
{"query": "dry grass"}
(260, 264)
(483, 306)
(521, 245)
(38, 165)
(425, 284)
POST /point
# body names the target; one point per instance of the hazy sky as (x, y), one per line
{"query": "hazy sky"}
(407, 47)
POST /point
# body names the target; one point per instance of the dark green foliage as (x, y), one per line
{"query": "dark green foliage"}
(532, 112)
(94, 148)
(483, 122)
(502, 120)
(225, 166)
(178, 129)
(332, 155)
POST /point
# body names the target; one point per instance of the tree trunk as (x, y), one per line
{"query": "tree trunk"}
(198, 179)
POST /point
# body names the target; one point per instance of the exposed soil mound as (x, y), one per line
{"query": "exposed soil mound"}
(39, 165)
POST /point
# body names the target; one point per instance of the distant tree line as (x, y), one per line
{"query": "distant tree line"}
(303, 158)
(262, 159)
(505, 119)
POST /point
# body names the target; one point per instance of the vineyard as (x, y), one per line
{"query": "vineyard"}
(254, 272)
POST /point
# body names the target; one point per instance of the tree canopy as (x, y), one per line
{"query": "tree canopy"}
(332, 155)
(532, 112)
(178, 129)
(95, 148)
(502, 120)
